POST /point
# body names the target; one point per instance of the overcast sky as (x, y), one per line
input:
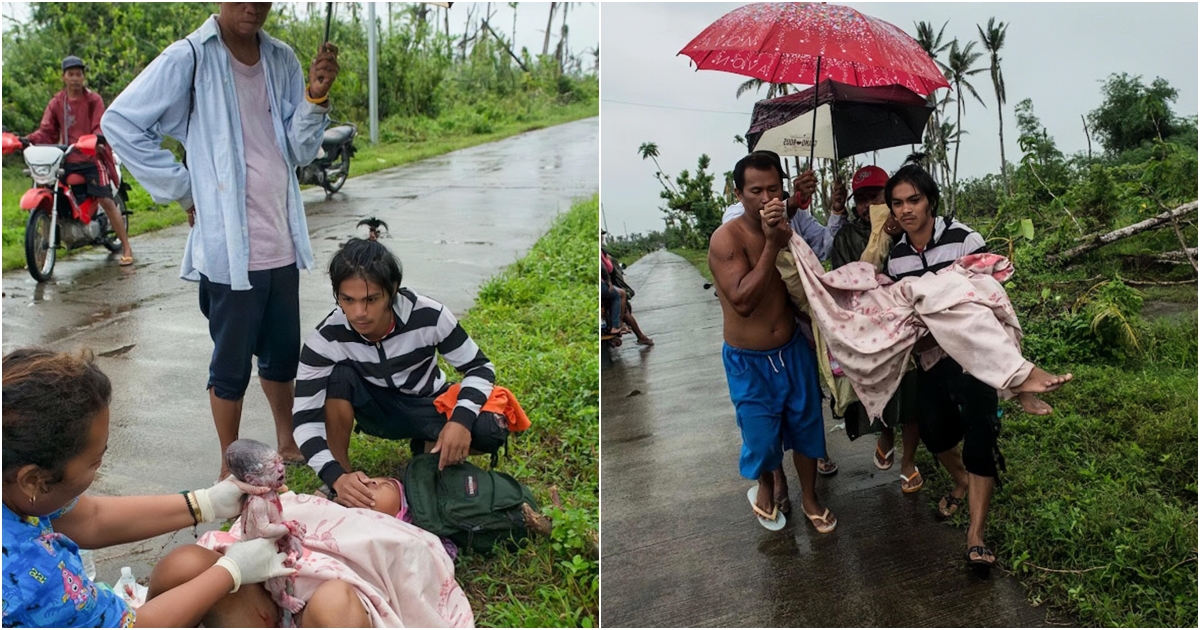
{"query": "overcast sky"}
(1057, 54)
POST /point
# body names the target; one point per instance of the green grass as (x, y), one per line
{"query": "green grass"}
(149, 216)
(1098, 513)
(698, 258)
(536, 322)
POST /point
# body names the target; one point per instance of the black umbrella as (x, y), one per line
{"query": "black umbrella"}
(848, 120)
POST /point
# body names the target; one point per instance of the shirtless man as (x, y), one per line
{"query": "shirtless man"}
(771, 370)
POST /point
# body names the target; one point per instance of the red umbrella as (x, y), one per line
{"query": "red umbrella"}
(796, 42)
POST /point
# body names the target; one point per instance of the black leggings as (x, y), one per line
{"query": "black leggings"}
(954, 407)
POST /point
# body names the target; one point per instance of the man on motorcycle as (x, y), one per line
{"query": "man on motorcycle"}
(75, 112)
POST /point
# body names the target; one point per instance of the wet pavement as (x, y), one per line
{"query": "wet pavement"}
(455, 221)
(679, 544)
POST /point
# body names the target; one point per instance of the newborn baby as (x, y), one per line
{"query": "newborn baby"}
(259, 471)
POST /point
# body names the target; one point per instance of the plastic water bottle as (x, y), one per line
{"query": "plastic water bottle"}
(89, 564)
(126, 587)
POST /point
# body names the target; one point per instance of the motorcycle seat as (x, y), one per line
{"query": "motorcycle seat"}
(75, 179)
(337, 135)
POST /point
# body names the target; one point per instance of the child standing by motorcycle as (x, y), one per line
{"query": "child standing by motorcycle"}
(74, 112)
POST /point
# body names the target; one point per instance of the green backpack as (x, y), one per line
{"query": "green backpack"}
(471, 506)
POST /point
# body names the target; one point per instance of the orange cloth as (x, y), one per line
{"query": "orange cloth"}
(500, 401)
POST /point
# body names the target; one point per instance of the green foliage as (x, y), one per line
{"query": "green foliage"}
(1133, 113)
(536, 323)
(1105, 489)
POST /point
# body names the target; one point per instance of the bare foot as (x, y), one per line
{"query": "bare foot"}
(1042, 381)
(781, 492)
(535, 521)
(291, 455)
(765, 499)
(1034, 405)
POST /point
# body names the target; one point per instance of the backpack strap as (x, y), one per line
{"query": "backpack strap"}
(191, 98)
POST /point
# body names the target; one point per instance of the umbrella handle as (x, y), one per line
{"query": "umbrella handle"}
(812, 146)
(328, 21)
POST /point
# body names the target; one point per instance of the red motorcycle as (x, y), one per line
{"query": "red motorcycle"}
(56, 217)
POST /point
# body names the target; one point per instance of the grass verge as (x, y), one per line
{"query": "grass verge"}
(149, 216)
(536, 322)
(1098, 512)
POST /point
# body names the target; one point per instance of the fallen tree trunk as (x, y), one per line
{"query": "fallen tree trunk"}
(1096, 241)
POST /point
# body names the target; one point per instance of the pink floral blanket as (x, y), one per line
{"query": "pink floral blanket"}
(871, 324)
(402, 573)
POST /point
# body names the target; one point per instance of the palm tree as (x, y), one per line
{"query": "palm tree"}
(934, 45)
(650, 150)
(773, 89)
(958, 69)
(993, 41)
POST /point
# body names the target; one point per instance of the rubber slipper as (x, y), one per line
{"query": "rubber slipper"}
(830, 469)
(952, 505)
(980, 562)
(647, 342)
(914, 482)
(126, 261)
(773, 521)
(829, 520)
(884, 461)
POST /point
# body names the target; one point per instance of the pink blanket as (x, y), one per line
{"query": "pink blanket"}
(871, 324)
(402, 573)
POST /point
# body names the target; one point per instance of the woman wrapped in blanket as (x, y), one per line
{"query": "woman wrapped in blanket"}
(942, 301)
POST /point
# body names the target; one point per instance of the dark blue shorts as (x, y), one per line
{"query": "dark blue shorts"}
(778, 404)
(262, 322)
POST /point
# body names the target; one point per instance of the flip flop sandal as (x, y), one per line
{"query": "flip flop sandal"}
(884, 461)
(773, 521)
(914, 482)
(952, 505)
(831, 468)
(827, 518)
(126, 261)
(982, 552)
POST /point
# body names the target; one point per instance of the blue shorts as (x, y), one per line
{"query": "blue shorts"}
(778, 404)
(262, 322)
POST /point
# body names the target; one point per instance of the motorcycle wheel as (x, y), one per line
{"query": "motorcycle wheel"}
(111, 242)
(40, 253)
(334, 185)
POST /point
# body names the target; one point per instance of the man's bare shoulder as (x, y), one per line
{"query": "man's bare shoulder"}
(725, 241)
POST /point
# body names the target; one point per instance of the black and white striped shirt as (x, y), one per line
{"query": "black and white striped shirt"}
(949, 243)
(405, 359)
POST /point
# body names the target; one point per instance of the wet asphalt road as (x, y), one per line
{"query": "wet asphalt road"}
(456, 221)
(679, 544)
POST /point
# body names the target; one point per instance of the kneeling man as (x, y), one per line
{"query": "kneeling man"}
(374, 360)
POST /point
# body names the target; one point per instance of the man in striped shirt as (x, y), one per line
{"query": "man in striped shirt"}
(953, 405)
(374, 360)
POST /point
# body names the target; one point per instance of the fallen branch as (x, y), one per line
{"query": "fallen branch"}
(1191, 257)
(1095, 241)
(1160, 284)
(1178, 257)
(1077, 571)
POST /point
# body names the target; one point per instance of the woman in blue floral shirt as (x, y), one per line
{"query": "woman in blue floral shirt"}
(55, 435)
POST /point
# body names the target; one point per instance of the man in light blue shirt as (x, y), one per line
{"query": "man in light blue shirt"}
(237, 100)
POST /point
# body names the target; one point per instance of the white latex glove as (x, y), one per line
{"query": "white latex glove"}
(222, 501)
(254, 561)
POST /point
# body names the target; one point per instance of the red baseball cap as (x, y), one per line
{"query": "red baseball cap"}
(869, 177)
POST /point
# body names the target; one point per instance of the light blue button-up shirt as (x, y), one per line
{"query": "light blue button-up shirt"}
(156, 104)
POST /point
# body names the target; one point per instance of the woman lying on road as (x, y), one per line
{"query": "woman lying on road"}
(56, 419)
